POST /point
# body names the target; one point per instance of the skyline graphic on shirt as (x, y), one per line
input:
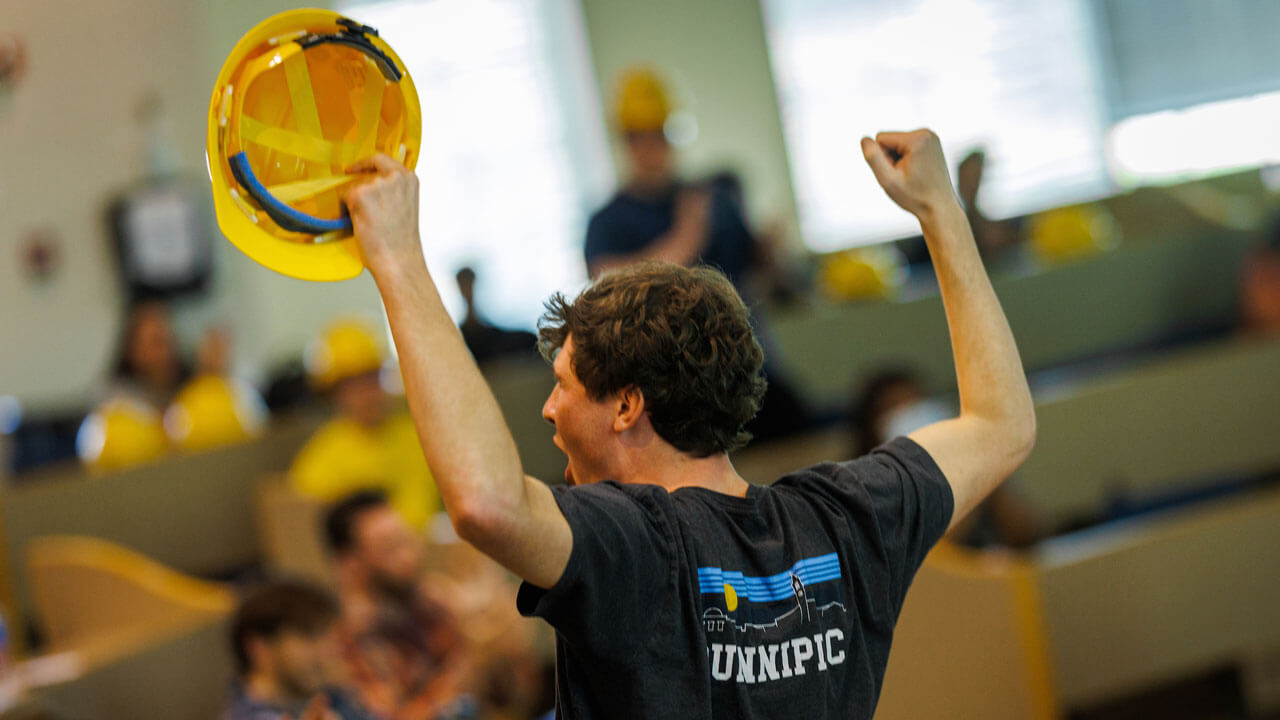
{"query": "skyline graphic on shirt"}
(809, 588)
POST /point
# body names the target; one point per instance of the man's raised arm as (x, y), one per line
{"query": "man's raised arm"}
(995, 430)
(472, 456)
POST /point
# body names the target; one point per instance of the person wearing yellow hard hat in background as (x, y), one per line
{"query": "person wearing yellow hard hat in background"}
(367, 444)
(126, 427)
(149, 408)
(214, 409)
(657, 216)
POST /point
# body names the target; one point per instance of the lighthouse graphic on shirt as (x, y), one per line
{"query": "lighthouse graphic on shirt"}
(775, 627)
(802, 600)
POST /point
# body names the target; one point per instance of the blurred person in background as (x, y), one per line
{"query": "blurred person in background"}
(485, 340)
(658, 216)
(400, 645)
(1260, 286)
(994, 237)
(367, 444)
(214, 408)
(154, 401)
(514, 657)
(284, 639)
(148, 366)
(893, 403)
(773, 277)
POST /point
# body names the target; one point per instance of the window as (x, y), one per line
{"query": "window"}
(511, 143)
(1191, 86)
(1015, 77)
(1179, 145)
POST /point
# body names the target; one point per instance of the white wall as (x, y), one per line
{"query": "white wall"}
(69, 141)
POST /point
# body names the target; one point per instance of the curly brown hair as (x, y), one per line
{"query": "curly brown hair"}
(681, 335)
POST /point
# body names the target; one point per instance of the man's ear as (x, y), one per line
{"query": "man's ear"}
(630, 408)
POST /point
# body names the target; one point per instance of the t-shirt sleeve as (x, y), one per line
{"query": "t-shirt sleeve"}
(901, 504)
(620, 565)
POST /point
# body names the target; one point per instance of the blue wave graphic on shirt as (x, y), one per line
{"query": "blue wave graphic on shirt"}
(773, 587)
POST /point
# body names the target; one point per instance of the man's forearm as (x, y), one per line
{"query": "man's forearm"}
(989, 372)
(680, 246)
(462, 430)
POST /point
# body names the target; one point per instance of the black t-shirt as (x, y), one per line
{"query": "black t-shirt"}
(696, 604)
(629, 224)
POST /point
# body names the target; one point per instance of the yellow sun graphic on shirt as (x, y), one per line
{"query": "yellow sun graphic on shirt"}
(730, 597)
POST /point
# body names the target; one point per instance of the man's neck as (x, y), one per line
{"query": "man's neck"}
(677, 470)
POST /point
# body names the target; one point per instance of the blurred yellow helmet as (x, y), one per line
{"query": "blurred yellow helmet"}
(212, 411)
(345, 349)
(301, 97)
(643, 104)
(861, 274)
(1070, 233)
(121, 433)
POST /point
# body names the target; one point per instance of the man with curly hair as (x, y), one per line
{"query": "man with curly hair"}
(676, 588)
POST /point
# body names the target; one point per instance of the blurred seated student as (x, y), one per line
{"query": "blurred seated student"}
(1260, 286)
(214, 409)
(128, 426)
(284, 639)
(485, 340)
(892, 403)
(399, 644)
(148, 367)
(367, 444)
(514, 656)
(994, 237)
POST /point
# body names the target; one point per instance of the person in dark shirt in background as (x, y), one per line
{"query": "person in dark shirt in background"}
(676, 588)
(658, 216)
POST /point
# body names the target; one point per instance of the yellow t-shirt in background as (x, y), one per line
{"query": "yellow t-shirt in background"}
(344, 456)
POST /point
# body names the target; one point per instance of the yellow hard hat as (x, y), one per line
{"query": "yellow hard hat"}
(301, 97)
(345, 349)
(861, 274)
(643, 104)
(211, 411)
(1069, 233)
(121, 433)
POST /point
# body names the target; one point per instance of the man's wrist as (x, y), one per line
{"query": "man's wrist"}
(392, 266)
(941, 213)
